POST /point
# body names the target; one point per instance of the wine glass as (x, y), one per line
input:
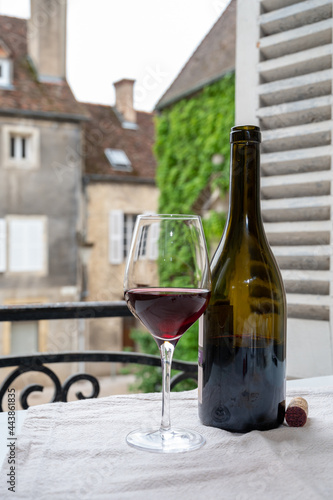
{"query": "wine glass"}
(167, 287)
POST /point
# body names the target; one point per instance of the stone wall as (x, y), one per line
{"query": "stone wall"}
(48, 187)
(105, 280)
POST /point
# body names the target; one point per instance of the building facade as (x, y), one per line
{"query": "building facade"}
(73, 176)
(119, 184)
(40, 193)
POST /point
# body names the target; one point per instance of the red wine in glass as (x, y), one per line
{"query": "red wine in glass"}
(169, 258)
(167, 312)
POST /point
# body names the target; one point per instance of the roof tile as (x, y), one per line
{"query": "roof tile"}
(104, 130)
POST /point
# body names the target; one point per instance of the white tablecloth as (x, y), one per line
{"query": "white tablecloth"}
(78, 451)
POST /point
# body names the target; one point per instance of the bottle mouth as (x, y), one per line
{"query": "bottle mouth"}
(247, 133)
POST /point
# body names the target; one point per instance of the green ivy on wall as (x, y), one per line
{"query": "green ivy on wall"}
(188, 137)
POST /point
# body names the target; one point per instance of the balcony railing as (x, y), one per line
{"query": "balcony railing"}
(36, 362)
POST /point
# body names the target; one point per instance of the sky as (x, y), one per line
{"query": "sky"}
(146, 40)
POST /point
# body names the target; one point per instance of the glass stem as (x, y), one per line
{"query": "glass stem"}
(166, 351)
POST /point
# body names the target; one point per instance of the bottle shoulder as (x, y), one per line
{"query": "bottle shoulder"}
(246, 262)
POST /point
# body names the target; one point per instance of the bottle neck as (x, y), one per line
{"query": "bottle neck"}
(244, 203)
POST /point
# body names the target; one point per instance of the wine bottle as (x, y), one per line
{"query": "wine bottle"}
(242, 334)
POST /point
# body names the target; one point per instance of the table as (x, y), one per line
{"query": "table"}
(78, 451)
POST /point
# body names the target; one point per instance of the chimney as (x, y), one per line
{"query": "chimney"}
(47, 38)
(124, 99)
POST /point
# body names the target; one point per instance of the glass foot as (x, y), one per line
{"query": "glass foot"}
(172, 441)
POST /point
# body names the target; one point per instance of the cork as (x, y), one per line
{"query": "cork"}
(297, 412)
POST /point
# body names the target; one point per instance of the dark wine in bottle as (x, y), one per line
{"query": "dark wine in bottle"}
(242, 334)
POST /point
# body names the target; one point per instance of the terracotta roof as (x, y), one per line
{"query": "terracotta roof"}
(214, 57)
(27, 94)
(104, 130)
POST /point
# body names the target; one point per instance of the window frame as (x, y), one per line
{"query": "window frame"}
(31, 135)
(20, 146)
(119, 243)
(122, 167)
(13, 325)
(42, 325)
(6, 70)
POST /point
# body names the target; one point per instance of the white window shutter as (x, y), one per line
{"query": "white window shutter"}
(116, 237)
(26, 245)
(16, 245)
(36, 245)
(153, 243)
(3, 246)
(129, 222)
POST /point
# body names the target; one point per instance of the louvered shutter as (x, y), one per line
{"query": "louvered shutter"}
(288, 83)
(295, 105)
(3, 246)
(129, 223)
(116, 237)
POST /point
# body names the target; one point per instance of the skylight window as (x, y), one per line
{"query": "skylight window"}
(118, 159)
(5, 73)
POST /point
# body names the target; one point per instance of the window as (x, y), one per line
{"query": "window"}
(120, 235)
(142, 250)
(118, 159)
(121, 228)
(148, 242)
(5, 73)
(24, 337)
(23, 244)
(20, 147)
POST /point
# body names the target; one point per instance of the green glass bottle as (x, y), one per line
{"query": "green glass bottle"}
(242, 335)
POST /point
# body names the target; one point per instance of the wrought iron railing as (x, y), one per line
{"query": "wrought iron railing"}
(36, 362)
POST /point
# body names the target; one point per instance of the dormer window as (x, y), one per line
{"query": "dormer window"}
(118, 159)
(5, 66)
(5, 73)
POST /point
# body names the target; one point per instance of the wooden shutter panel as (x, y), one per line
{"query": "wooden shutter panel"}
(36, 245)
(3, 246)
(287, 83)
(16, 245)
(26, 245)
(116, 237)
